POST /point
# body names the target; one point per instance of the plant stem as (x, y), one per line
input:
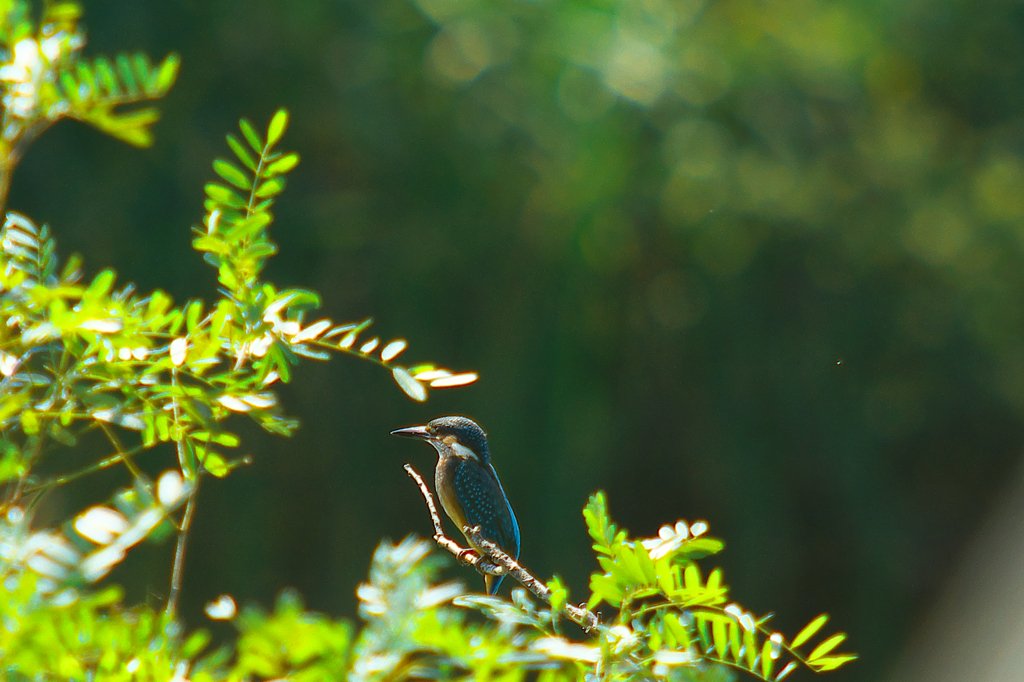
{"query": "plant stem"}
(179, 551)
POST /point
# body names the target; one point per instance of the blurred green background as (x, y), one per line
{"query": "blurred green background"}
(757, 262)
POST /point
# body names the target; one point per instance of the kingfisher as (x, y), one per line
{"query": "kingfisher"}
(468, 486)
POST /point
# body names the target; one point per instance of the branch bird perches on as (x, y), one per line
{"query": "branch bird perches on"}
(496, 562)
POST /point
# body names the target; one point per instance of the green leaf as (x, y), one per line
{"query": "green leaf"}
(86, 78)
(132, 127)
(242, 153)
(280, 358)
(165, 75)
(826, 646)
(211, 244)
(734, 640)
(141, 69)
(192, 313)
(627, 567)
(598, 524)
(101, 285)
(407, 383)
(11, 463)
(271, 188)
(645, 564)
(125, 71)
(70, 87)
(282, 165)
(277, 126)
(251, 136)
(30, 422)
(233, 174)
(225, 196)
(720, 637)
(809, 630)
(301, 299)
(678, 631)
(698, 548)
(750, 648)
(105, 77)
(246, 229)
(767, 662)
(826, 663)
(61, 12)
(559, 594)
(213, 462)
(692, 579)
(261, 250)
(604, 588)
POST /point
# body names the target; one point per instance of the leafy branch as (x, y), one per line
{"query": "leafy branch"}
(82, 356)
(78, 356)
(43, 79)
(657, 586)
(416, 627)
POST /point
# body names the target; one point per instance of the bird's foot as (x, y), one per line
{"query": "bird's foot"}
(464, 555)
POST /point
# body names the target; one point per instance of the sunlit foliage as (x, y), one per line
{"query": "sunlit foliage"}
(79, 356)
(671, 623)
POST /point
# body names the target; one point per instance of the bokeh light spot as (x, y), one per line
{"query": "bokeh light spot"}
(901, 141)
(582, 35)
(460, 52)
(999, 188)
(937, 232)
(440, 11)
(636, 69)
(650, 21)
(824, 36)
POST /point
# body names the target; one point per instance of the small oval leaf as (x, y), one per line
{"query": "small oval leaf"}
(809, 630)
(412, 388)
(277, 126)
(232, 174)
(392, 350)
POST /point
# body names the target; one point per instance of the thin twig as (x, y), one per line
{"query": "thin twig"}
(179, 550)
(92, 468)
(186, 519)
(580, 615)
(467, 557)
(497, 562)
(122, 453)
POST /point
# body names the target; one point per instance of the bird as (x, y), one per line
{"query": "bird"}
(468, 485)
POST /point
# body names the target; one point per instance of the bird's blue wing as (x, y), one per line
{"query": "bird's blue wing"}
(484, 504)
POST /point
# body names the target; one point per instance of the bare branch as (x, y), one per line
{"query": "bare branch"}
(584, 618)
(466, 557)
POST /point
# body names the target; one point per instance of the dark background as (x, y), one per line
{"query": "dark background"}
(757, 263)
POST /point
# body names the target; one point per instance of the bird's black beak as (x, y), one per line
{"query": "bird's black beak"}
(420, 432)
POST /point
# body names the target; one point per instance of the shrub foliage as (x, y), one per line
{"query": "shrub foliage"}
(80, 355)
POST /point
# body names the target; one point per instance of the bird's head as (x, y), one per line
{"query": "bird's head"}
(452, 437)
